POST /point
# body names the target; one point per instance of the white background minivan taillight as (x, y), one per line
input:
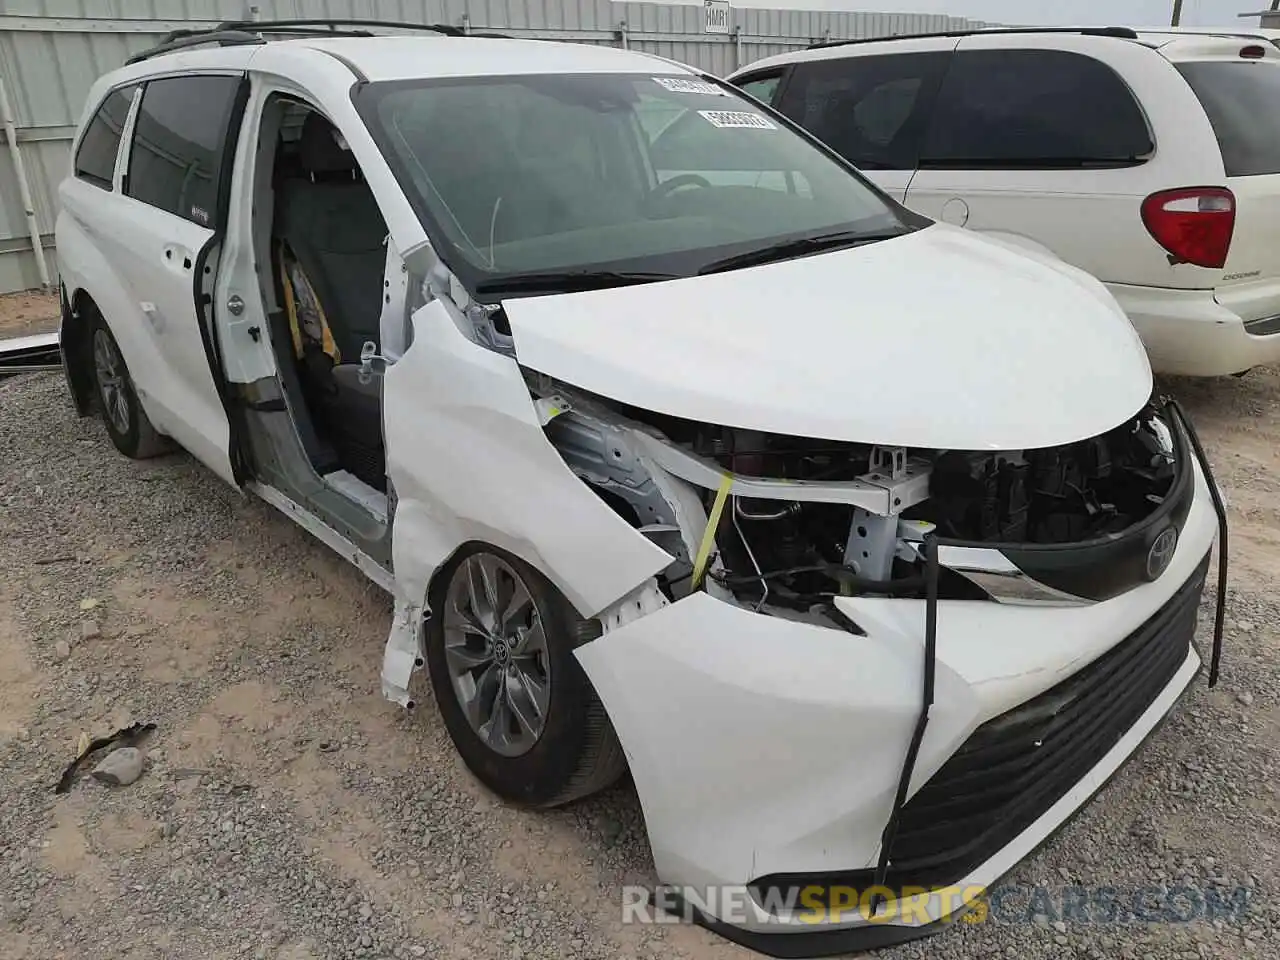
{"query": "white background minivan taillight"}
(1194, 224)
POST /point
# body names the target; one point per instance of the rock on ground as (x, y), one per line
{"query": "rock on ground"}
(120, 767)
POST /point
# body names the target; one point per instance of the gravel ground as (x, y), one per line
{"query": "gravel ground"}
(288, 812)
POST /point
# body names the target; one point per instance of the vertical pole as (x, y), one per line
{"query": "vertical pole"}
(737, 46)
(622, 35)
(1177, 13)
(24, 185)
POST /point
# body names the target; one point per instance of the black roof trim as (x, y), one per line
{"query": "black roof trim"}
(244, 32)
(1120, 33)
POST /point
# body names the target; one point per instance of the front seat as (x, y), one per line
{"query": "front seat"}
(331, 236)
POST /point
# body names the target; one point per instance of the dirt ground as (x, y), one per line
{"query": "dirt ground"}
(22, 314)
(288, 812)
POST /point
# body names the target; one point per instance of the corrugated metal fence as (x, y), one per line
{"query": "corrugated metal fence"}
(51, 51)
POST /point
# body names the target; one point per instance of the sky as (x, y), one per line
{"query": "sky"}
(1137, 13)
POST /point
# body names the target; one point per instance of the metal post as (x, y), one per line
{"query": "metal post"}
(466, 23)
(1177, 13)
(737, 47)
(24, 186)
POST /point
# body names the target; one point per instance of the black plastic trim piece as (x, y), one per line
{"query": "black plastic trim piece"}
(1220, 610)
(1263, 327)
(1107, 566)
(1119, 33)
(73, 343)
(873, 936)
(926, 701)
(182, 39)
(330, 26)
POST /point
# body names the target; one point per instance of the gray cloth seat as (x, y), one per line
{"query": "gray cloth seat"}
(331, 225)
(329, 220)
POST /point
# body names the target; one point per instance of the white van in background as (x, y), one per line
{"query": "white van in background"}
(1151, 160)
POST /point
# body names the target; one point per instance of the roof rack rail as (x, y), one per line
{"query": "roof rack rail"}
(241, 32)
(181, 39)
(329, 25)
(1121, 33)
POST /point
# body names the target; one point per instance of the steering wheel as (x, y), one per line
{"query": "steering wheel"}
(676, 182)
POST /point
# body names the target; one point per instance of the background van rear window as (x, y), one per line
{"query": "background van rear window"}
(1243, 103)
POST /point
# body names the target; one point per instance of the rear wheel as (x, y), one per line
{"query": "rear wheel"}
(520, 709)
(127, 424)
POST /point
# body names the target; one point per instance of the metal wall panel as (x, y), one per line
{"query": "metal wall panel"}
(51, 51)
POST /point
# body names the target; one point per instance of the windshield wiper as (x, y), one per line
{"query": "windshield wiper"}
(799, 248)
(568, 281)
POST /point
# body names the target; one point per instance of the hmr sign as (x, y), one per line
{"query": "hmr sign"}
(716, 15)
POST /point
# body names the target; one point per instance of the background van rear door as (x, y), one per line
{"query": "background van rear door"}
(1042, 143)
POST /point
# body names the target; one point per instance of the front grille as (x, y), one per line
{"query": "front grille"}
(1016, 766)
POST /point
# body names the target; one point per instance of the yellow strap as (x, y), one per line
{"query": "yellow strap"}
(327, 344)
(709, 535)
(290, 305)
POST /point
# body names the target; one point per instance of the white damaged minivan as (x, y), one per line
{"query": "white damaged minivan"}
(860, 540)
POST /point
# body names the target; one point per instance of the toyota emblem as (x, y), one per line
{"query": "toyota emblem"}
(1160, 555)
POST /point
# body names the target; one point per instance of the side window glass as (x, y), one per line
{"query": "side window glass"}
(1034, 109)
(762, 88)
(96, 156)
(871, 110)
(179, 141)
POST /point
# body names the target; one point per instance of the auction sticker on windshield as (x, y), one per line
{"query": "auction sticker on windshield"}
(681, 85)
(734, 118)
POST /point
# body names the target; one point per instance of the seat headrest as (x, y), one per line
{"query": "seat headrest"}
(321, 148)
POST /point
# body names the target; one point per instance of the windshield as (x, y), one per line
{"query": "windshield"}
(645, 176)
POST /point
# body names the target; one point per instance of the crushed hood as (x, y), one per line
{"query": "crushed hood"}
(937, 339)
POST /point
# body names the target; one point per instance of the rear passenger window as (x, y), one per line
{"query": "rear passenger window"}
(1034, 109)
(96, 156)
(1241, 100)
(179, 140)
(870, 110)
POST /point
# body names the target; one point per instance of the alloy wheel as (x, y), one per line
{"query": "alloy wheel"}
(109, 367)
(495, 645)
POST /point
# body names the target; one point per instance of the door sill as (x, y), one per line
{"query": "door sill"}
(358, 492)
(326, 534)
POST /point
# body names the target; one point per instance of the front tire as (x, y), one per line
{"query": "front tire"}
(127, 425)
(516, 702)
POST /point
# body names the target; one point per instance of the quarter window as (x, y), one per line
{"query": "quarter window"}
(870, 110)
(179, 141)
(1034, 109)
(762, 88)
(1240, 99)
(96, 156)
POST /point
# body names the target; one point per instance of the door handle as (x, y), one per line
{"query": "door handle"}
(235, 304)
(177, 256)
